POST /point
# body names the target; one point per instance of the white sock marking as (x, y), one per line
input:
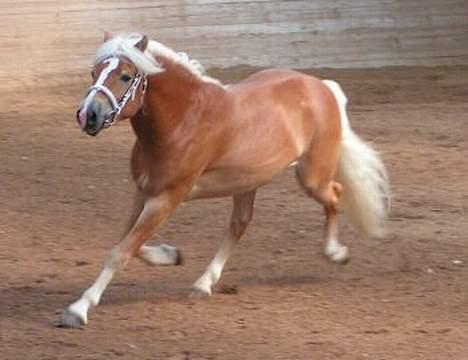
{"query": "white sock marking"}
(213, 272)
(335, 250)
(92, 295)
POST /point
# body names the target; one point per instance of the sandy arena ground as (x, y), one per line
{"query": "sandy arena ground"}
(64, 200)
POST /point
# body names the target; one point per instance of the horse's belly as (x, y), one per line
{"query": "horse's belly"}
(204, 190)
(253, 159)
(231, 181)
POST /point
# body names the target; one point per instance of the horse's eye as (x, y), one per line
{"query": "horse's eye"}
(125, 78)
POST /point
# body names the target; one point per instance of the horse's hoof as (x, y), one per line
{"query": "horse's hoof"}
(339, 255)
(342, 260)
(70, 320)
(179, 258)
(173, 254)
(197, 293)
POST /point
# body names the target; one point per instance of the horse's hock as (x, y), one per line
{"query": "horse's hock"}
(50, 38)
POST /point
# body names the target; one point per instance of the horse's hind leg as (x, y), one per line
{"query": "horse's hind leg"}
(241, 215)
(315, 172)
(334, 250)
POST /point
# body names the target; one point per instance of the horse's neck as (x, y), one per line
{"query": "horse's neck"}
(170, 96)
(171, 123)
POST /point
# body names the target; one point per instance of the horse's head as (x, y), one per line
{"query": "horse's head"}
(118, 88)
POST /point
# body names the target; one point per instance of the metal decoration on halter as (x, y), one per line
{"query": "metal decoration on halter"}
(117, 106)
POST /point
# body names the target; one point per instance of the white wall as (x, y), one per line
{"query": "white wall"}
(44, 38)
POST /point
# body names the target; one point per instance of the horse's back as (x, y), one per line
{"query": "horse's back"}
(271, 77)
(287, 90)
(303, 101)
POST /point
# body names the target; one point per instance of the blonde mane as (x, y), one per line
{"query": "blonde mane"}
(124, 45)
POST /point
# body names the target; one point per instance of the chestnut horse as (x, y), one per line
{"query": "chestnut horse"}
(196, 138)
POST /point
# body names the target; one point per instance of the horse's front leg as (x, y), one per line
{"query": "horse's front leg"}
(153, 211)
(151, 255)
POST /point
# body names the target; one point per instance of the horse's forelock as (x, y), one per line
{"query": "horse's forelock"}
(125, 46)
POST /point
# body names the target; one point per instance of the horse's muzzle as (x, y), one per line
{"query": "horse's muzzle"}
(91, 118)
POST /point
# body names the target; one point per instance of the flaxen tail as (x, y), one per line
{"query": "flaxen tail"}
(366, 190)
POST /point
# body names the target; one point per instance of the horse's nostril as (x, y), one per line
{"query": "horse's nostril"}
(92, 119)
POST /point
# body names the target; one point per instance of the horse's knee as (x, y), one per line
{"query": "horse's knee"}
(118, 258)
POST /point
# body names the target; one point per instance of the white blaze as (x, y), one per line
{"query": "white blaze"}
(112, 64)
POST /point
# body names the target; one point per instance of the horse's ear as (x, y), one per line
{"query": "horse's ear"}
(142, 44)
(107, 36)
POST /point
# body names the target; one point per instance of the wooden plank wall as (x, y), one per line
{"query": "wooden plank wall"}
(43, 39)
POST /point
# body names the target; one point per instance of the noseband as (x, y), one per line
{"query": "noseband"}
(117, 106)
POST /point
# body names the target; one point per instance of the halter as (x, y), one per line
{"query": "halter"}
(117, 106)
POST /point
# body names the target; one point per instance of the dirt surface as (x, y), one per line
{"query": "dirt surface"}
(64, 200)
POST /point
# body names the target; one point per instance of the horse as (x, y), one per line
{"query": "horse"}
(197, 138)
